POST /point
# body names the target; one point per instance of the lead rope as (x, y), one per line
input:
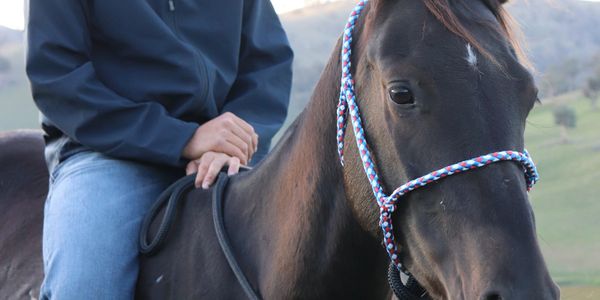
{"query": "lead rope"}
(217, 213)
(171, 198)
(387, 204)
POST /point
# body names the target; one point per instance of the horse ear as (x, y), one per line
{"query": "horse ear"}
(503, 1)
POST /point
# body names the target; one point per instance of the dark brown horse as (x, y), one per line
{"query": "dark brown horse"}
(304, 227)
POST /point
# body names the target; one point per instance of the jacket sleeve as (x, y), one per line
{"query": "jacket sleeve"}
(68, 93)
(261, 92)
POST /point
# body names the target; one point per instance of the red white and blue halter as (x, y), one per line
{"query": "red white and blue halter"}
(387, 204)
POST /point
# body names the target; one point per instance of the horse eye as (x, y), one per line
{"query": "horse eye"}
(401, 95)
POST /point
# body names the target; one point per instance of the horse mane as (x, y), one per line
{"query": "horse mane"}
(509, 29)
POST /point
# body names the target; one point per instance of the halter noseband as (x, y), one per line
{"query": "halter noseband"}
(387, 204)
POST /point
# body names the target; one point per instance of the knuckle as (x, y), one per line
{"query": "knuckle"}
(213, 142)
(202, 168)
(204, 163)
(212, 171)
(214, 168)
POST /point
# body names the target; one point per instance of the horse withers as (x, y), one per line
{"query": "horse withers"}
(437, 81)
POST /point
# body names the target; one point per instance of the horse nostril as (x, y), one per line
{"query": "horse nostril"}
(492, 296)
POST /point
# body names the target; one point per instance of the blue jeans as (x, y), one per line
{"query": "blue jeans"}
(92, 219)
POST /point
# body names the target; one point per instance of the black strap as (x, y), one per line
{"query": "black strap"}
(412, 290)
(171, 196)
(217, 212)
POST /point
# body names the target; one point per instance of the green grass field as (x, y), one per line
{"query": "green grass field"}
(566, 199)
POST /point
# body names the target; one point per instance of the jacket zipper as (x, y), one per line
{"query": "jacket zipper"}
(171, 18)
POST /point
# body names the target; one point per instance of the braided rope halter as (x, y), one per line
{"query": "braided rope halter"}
(387, 204)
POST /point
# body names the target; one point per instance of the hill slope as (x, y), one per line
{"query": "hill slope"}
(16, 107)
(566, 198)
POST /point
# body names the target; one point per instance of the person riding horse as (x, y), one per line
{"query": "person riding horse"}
(132, 94)
(418, 85)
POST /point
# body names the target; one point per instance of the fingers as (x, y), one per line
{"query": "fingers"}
(245, 131)
(243, 124)
(243, 135)
(210, 164)
(191, 168)
(202, 170)
(243, 145)
(226, 134)
(255, 142)
(231, 149)
(213, 171)
(234, 166)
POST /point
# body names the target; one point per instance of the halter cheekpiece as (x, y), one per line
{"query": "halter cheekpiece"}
(387, 203)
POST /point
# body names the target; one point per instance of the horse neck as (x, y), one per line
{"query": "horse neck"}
(299, 230)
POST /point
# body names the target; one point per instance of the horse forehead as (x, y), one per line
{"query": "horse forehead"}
(413, 22)
(471, 56)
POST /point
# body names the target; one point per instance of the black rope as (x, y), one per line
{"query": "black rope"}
(217, 212)
(171, 196)
(412, 290)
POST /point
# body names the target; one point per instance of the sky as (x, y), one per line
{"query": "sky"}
(12, 12)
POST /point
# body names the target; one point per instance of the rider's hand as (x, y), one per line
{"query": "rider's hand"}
(209, 165)
(227, 134)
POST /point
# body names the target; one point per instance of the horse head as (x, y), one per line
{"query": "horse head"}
(438, 82)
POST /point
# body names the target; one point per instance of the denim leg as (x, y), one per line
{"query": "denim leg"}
(92, 219)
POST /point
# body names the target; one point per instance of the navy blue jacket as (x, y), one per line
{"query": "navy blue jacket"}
(134, 78)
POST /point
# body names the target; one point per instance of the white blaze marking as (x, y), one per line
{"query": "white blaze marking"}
(471, 56)
(159, 279)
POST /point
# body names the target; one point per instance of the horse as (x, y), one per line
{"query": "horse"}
(23, 188)
(437, 81)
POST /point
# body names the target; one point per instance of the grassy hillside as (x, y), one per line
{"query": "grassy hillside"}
(566, 199)
(16, 106)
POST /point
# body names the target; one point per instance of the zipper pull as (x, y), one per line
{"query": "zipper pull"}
(171, 5)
